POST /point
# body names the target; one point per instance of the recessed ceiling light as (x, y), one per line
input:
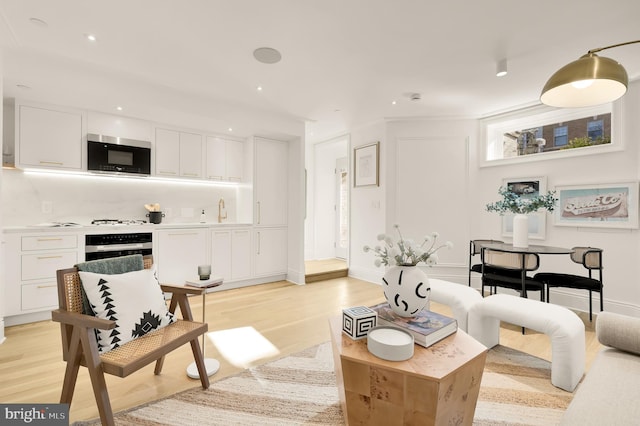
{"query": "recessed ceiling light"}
(23, 86)
(119, 108)
(91, 37)
(393, 102)
(259, 88)
(267, 55)
(230, 129)
(39, 22)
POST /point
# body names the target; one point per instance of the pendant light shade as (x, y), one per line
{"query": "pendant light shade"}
(591, 80)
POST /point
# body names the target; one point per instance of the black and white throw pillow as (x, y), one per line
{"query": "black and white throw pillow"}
(134, 300)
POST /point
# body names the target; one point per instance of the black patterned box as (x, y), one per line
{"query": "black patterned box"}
(357, 321)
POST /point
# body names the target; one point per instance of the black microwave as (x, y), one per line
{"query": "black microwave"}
(109, 154)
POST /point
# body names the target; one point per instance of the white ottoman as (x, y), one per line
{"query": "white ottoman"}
(564, 328)
(458, 297)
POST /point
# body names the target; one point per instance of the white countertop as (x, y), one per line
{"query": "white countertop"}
(107, 229)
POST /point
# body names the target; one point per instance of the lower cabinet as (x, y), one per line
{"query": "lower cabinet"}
(243, 254)
(231, 253)
(270, 251)
(179, 252)
(31, 262)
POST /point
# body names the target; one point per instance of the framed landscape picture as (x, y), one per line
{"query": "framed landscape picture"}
(366, 165)
(598, 206)
(526, 188)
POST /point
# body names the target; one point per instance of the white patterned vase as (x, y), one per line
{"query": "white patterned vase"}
(407, 289)
(521, 231)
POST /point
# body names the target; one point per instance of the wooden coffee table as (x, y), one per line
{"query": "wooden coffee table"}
(439, 385)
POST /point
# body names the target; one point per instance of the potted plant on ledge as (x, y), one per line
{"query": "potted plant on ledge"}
(521, 207)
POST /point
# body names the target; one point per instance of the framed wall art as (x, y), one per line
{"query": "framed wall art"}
(527, 187)
(612, 205)
(366, 165)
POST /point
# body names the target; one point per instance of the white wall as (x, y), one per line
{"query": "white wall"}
(621, 247)
(296, 190)
(367, 210)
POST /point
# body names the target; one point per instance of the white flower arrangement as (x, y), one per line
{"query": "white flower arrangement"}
(407, 253)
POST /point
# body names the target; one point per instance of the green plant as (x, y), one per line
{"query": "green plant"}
(514, 203)
(586, 141)
(407, 252)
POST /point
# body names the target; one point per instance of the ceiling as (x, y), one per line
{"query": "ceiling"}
(343, 61)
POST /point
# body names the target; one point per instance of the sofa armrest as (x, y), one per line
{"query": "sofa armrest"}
(619, 331)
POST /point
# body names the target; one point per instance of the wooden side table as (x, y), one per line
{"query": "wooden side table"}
(439, 385)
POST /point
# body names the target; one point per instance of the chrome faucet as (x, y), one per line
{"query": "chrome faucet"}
(221, 209)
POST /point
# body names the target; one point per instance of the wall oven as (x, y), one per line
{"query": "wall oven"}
(102, 246)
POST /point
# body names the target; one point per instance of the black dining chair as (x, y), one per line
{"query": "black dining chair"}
(510, 270)
(475, 246)
(591, 259)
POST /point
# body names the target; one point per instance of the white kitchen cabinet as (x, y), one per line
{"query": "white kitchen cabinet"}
(190, 155)
(49, 137)
(225, 159)
(178, 154)
(31, 262)
(235, 160)
(231, 253)
(270, 182)
(167, 153)
(179, 252)
(270, 251)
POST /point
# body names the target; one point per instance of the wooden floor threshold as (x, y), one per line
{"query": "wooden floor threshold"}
(326, 275)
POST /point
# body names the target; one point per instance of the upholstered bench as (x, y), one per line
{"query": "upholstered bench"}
(564, 328)
(458, 297)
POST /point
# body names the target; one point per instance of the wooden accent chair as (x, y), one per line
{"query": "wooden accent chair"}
(79, 344)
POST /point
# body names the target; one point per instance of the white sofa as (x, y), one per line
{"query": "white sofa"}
(610, 391)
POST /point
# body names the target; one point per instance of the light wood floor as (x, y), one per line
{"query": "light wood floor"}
(247, 321)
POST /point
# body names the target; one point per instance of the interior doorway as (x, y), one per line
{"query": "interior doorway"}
(327, 219)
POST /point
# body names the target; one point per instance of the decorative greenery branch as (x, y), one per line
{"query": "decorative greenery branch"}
(514, 203)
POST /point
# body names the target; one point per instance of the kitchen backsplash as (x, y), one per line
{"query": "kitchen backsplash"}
(27, 198)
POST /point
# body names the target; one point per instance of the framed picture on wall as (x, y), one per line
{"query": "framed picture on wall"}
(527, 187)
(598, 206)
(366, 165)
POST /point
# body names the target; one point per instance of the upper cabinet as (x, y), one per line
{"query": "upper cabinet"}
(190, 155)
(49, 137)
(178, 153)
(167, 152)
(225, 159)
(270, 182)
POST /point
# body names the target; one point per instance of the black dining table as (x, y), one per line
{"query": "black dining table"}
(531, 249)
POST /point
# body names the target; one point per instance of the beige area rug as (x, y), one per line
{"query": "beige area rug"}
(301, 389)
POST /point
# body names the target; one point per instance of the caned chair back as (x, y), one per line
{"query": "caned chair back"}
(70, 297)
(475, 246)
(509, 260)
(589, 257)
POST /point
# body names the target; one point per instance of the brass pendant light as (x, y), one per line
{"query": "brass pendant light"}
(591, 80)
